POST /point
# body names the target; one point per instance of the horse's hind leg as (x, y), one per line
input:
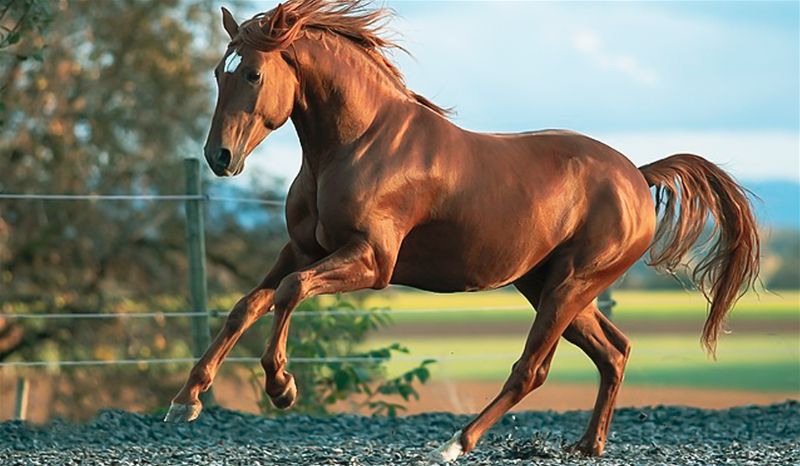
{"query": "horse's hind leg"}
(608, 348)
(564, 294)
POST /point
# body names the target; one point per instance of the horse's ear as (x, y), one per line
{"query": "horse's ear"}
(278, 19)
(229, 23)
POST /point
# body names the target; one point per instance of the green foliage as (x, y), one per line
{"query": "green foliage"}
(783, 247)
(24, 19)
(108, 97)
(356, 377)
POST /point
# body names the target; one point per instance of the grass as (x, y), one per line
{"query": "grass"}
(748, 361)
(631, 305)
(756, 362)
(745, 362)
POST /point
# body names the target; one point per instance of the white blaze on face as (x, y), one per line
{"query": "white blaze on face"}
(232, 62)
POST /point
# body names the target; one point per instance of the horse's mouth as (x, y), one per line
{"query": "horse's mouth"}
(229, 171)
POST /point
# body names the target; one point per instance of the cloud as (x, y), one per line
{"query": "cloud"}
(590, 44)
(622, 66)
(725, 88)
(586, 42)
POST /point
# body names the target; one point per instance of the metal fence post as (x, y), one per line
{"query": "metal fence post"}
(21, 402)
(196, 242)
(606, 303)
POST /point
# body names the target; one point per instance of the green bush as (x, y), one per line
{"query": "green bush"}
(361, 380)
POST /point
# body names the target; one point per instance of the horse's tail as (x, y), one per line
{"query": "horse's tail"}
(688, 189)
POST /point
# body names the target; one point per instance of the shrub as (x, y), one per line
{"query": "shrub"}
(361, 379)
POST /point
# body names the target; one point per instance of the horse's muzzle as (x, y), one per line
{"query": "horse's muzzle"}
(220, 162)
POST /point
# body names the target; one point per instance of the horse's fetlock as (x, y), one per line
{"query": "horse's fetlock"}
(273, 365)
(200, 377)
(468, 441)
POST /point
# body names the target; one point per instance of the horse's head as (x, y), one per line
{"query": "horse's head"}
(257, 90)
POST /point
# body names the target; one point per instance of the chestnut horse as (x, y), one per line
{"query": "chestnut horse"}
(391, 191)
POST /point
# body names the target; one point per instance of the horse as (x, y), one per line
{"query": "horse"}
(390, 191)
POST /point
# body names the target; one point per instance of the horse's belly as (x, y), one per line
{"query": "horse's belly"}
(441, 257)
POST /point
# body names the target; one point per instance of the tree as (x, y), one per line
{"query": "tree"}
(109, 98)
(20, 18)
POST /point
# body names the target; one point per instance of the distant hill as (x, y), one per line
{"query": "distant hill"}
(779, 204)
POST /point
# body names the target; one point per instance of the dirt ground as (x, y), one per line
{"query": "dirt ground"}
(467, 397)
(458, 397)
(751, 435)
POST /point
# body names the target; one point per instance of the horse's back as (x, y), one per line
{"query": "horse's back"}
(514, 199)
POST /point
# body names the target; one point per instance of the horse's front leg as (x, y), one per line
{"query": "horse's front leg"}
(186, 405)
(357, 265)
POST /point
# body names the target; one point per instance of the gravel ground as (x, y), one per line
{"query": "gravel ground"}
(757, 435)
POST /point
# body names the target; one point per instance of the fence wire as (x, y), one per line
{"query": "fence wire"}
(250, 360)
(218, 314)
(138, 197)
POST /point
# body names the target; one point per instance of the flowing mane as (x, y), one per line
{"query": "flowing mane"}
(276, 29)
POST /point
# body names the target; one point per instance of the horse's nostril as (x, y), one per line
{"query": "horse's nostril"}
(224, 160)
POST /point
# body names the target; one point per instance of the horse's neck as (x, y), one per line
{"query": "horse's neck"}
(342, 93)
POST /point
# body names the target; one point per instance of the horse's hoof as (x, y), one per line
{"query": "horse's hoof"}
(448, 452)
(287, 398)
(183, 413)
(585, 448)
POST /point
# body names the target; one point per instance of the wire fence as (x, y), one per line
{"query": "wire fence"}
(607, 302)
(193, 196)
(215, 314)
(252, 360)
(138, 197)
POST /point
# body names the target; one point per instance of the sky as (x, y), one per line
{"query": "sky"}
(720, 79)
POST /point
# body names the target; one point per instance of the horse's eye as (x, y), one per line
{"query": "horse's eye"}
(252, 76)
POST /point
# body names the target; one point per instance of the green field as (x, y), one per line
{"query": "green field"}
(754, 361)
(508, 305)
(744, 362)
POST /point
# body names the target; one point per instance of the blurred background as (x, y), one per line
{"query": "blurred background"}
(108, 98)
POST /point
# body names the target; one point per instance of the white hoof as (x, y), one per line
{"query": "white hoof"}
(183, 413)
(448, 452)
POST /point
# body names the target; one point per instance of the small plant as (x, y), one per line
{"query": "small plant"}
(345, 374)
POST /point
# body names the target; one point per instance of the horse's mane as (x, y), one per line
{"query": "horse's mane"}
(352, 19)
